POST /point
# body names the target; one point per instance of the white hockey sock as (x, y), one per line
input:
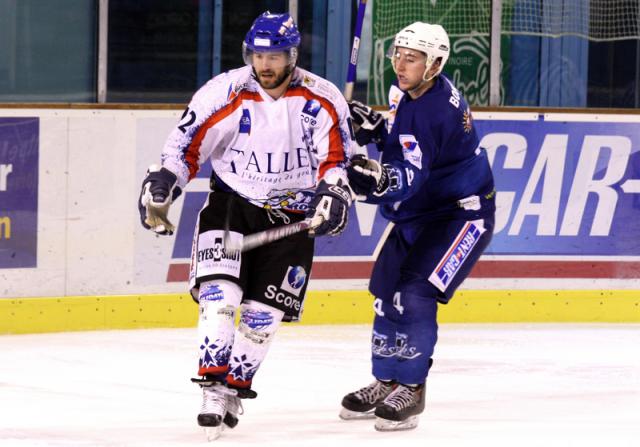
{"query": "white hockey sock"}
(258, 324)
(218, 300)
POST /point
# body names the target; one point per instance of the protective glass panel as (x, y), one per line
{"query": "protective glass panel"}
(48, 50)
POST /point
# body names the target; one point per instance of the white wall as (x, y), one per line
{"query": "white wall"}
(90, 241)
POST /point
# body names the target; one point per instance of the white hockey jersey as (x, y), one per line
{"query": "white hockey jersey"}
(271, 152)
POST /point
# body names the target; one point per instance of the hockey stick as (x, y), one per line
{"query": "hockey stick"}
(255, 240)
(353, 60)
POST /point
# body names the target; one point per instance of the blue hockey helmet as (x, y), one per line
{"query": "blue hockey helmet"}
(272, 33)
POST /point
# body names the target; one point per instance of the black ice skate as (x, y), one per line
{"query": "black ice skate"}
(360, 404)
(400, 409)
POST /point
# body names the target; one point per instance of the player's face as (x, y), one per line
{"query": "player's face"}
(409, 66)
(270, 68)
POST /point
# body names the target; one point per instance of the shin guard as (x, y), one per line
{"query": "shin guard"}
(218, 302)
(258, 324)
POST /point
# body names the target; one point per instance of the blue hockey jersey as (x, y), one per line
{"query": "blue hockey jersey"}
(436, 167)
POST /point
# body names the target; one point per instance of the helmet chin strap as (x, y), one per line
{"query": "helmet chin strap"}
(418, 86)
(424, 75)
(424, 80)
(426, 71)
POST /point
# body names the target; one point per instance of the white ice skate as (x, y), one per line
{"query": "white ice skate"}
(400, 409)
(362, 403)
(214, 409)
(234, 409)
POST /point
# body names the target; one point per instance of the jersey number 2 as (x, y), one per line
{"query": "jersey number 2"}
(187, 119)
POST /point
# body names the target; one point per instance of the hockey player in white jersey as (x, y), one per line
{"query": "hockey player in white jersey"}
(278, 139)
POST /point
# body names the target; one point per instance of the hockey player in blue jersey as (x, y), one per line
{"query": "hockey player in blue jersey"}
(435, 183)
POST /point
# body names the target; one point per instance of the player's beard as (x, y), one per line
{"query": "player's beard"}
(273, 82)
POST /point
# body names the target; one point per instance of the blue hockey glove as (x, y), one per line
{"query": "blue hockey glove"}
(329, 208)
(368, 123)
(159, 190)
(367, 176)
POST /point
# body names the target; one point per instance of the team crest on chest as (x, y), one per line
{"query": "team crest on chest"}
(411, 150)
(312, 108)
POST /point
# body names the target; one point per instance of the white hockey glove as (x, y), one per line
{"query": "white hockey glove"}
(329, 208)
(159, 190)
(367, 176)
(368, 123)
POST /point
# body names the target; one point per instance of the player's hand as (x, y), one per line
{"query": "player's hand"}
(368, 123)
(329, 208)
(367, 176)
(159, 190)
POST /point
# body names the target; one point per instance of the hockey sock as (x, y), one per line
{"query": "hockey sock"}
(404, 336)
(218, 302)
(416, 337)
(258, 324)
(383, 349)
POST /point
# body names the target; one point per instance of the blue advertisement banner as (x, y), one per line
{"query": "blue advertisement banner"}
(19, 146)
(564, 188)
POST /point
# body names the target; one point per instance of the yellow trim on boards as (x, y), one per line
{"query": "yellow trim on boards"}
(44, 314)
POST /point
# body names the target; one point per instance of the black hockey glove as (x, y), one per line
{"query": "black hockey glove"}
(159, 190)
(329, 208)
(367, 176)
(368, 123)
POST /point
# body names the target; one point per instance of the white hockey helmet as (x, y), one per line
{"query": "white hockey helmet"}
(432, 40)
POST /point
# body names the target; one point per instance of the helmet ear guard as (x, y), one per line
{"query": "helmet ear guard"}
(432, 40)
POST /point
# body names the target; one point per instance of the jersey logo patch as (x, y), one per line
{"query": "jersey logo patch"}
(411, 150)
(455, 256)
(308, 81)
(230, 93)
(211, 293)
(312, 107)
(467, 120)
(294, 280)
(257, 319)
(245, 122)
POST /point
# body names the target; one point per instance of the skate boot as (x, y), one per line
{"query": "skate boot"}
(400, 409)
(360, 404)
(214, 409)
(234, 409)
(234, 405)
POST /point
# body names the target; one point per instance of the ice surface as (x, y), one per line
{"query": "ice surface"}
(494, 385)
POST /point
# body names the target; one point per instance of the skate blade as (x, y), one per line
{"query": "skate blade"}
(213, 433)
(349, 415)
(386, 425)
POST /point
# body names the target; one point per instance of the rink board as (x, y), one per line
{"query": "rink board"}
(73, 254)
(33, 315)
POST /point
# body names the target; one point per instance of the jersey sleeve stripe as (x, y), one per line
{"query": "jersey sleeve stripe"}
(336, 144)
(335, 157)
(192, 151)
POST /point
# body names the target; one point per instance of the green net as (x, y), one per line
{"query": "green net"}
(468, 23)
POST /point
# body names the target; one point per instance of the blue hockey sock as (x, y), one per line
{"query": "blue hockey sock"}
(404, 337)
